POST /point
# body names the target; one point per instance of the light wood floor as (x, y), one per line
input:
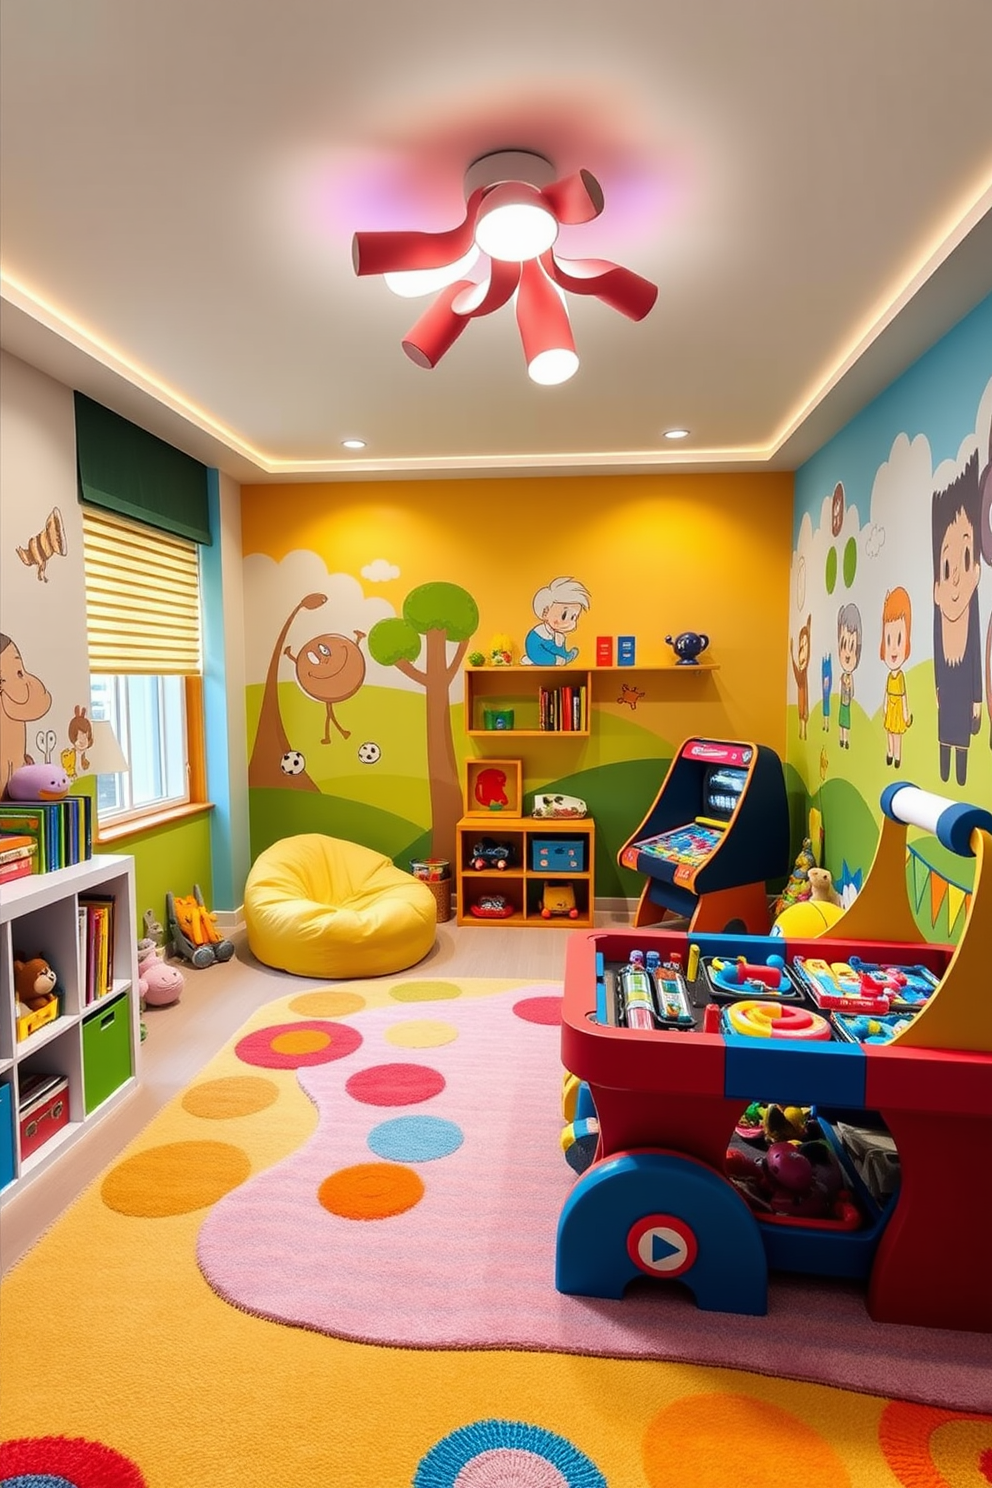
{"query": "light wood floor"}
(214, 1004)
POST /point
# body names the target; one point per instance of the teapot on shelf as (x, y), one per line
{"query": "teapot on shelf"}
(688, 646)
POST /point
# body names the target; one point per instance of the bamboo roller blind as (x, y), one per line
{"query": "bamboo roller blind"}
(142, 598)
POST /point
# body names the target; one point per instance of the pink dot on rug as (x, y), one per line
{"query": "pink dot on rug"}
(511, 1466)
(539, 1009)
(395, 1084)
(295, 1045)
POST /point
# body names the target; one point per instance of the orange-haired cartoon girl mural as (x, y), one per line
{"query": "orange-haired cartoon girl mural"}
(897, 615)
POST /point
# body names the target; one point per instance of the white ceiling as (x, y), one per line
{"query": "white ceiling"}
(810, 186)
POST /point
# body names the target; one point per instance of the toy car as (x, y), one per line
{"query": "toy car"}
(492, 907)
(558, 899)
(487, 853)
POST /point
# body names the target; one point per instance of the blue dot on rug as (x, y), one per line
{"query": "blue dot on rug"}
(415, 1138)
(491, 1454)
(35, 1480)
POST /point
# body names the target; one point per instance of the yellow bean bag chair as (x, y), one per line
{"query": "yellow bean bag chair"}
(320, 907)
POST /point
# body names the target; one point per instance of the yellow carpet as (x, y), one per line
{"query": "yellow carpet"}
(111, 1334)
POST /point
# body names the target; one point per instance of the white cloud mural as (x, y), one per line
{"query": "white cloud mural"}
(380, 571)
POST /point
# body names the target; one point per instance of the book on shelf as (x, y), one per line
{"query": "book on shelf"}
(16, 868)
(15, 849)
(98, 962)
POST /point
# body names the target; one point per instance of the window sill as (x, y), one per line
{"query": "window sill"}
(135, 826)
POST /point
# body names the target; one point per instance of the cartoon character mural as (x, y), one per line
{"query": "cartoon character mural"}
(897, 617)
(849, 638)
(986, 541)
(80, 733)
(957, 642)
(23, 699)
(48, 543)
(800, 670)
(271, 746)
(826, 688)
(434, 615)
(330, 669)
(558, 607)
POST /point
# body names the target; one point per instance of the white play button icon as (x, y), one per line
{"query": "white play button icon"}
(662, 1245)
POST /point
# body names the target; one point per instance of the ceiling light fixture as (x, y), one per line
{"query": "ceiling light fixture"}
(514, 208)
(676, 433)
(353, 443)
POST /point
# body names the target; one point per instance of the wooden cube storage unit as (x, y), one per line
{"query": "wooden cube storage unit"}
(493, 780)
(519, 882)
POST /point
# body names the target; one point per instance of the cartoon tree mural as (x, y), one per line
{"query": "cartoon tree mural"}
(433, 615)
(271, 742)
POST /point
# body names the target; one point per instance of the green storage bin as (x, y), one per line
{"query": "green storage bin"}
(106, 1051)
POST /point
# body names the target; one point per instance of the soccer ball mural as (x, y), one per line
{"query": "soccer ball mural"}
(292, 762)
(369, 753)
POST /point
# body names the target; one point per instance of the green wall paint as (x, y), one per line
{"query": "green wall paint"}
(169, 858)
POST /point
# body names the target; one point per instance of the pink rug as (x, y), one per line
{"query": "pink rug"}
(422, 1213)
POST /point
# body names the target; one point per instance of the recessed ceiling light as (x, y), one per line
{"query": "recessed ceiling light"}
(676, 433)
(353, 443)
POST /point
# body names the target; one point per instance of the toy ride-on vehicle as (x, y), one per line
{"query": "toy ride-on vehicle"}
(488, 853)
(195, 936)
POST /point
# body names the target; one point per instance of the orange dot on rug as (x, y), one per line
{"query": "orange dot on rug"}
(300, 1041)
(927, 1447)
(424, 991)
(708, 1441)
(174, 1179)
(327, 1004)
(236, 1095)
(371, 1191)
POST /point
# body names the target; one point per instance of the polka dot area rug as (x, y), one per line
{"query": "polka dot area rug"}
(332, 1260)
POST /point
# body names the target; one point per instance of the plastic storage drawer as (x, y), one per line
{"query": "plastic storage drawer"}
(106, 1052)
(6, 1136)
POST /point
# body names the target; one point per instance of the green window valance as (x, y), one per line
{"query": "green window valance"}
(124, 469)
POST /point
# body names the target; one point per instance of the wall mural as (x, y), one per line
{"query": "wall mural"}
(890, 580)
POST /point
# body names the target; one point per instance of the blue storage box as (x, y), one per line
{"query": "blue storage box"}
(6, 1136)
(558, 854)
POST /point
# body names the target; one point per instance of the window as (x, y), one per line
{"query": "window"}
(148, 717)
(143, 623)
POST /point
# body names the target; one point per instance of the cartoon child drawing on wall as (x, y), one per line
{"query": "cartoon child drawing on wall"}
(986, 534)
(558, 606)
(897, 614)
(80, 731)
(23, 698)
(848, 654)
(957, 639)
(826, 687)
(800, 670)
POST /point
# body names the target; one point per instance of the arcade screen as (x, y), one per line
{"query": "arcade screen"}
(722, 791)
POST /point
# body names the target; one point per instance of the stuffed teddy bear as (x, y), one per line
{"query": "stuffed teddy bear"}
(34, 983)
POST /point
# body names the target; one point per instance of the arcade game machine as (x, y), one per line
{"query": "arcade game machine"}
(718, 830)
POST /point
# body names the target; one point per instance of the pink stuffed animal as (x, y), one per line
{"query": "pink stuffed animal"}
(158, 983)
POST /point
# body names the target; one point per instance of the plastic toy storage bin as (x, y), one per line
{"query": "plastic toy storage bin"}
(6, 1137)
(106, 1051)
(558, 854)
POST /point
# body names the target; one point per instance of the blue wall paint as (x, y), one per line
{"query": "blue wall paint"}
(937, 396)
(215, 707)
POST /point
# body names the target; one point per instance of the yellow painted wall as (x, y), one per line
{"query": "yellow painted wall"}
(658, 553)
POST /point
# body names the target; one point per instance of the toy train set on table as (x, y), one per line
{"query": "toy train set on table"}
(876, 1028)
